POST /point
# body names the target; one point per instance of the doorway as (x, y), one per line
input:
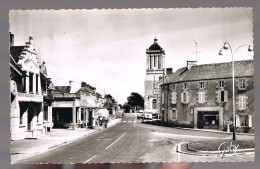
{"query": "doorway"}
(208, 119)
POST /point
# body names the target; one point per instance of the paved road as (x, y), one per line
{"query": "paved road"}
(128, 141)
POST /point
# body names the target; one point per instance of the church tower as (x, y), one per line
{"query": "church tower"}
(154, 72)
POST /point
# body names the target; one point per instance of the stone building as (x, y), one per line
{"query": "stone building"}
(75, 108)
(154, 71)
(28, 85)
(201, 95)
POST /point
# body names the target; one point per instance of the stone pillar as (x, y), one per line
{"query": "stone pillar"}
(79, 115)
(49, 113)
(73, 114)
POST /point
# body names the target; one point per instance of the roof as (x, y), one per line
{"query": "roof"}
(155, 47)
(85, 89)
(15, 52)
(243, 68)
(15, 67)
(61, 89)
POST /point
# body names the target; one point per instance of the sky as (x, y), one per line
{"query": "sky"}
(106, 48)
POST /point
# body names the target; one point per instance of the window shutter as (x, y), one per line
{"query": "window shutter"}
(187, 98)
(246, 83)
(250, 121)
(237, 121)
(237, 103)
(182, 98)
(238, 84)
(198, 97)
(225, 96)
(225, 83)
(198, 85)
(205, 84)
(217, 84)
(203, 97)
(217, 97)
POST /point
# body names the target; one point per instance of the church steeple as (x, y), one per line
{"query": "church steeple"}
(155, 56)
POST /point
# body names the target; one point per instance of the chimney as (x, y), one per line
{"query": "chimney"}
(83, 84)
(11, 39)
(168, 71)
(190, 64)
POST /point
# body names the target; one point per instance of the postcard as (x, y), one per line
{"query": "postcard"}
(131, 85)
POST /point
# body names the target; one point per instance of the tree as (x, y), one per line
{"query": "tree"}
(136, 100)
(126, 107)
(110, 101)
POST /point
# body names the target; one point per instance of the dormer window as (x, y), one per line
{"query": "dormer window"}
(221, 84)
(185, 86)
(201, 85)
(242, 84)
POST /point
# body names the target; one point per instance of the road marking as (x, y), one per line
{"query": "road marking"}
(129, 121)
(89, 159)
(115, 141)
(124, 121)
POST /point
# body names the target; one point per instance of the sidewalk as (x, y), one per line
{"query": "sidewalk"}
(21, 149)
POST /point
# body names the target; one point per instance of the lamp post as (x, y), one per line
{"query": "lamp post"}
(225, 47)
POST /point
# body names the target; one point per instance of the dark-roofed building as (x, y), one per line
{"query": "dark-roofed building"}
(200, 96)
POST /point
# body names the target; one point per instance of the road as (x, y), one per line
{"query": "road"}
(129, 141)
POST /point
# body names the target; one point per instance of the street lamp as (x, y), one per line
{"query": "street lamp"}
(225, 47)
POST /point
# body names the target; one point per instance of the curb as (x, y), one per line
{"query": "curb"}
(179, 149)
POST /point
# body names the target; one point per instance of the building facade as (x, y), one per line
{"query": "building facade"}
(75, 109)
(154, 71)
(201, 96)
(27, 92)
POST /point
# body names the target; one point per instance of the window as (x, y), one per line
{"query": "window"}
(201, 97)
(173, 114)
(154, 60)
(221, 96)
(244, 120)
(201, 85)
(37, 76)
(31, 82)
(242, 102)
(185, 86)
(154, 104)
(173, 98)
(45, 113)
(173, 86)
(24, 84)
(220, 84)
(150, 62)
(184, 97)
(242, 84)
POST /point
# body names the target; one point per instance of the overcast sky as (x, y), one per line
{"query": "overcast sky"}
(106, 48)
